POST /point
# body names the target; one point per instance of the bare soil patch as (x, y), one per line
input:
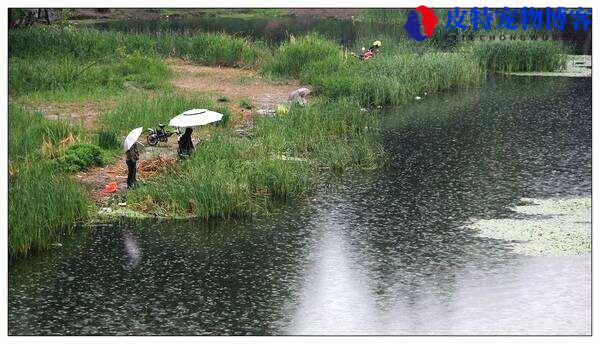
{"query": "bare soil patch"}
(233, 83)
(153, 160)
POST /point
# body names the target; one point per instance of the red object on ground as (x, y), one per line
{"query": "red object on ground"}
(110, 187)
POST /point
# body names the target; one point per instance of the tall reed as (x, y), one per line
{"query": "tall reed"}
(229, 176)
(79, 43)
(519, 56)
(386, 79)
(42, 202)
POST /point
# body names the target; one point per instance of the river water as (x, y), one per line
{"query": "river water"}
(387, 252)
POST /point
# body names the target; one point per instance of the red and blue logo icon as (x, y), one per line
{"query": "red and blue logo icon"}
(413, 23)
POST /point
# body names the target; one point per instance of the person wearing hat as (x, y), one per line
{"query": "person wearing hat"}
(374, 49)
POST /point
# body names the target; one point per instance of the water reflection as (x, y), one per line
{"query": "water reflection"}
(336, 296)
(132, 250)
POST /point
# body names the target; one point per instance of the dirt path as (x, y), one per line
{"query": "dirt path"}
(153, 160)
(236, 85)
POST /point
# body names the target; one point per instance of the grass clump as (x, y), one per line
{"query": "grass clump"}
(226, 177)
(88, 44)
(83, 78)
(331, 134)
(107, 139)
(80, 156)
(74, 63)
(29, 131)
(245, 104)
(43, 203)
(519, 56)
(387, 79)
(220, 49)
(230, 177)
(292, 57)
(394, 80)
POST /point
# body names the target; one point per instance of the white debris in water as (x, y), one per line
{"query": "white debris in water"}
(552, 227)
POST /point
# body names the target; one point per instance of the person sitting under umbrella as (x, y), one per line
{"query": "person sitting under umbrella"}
(189, 119)
(132, 156)
(186, 146)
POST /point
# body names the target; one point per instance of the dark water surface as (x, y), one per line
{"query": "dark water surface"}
(382, 253)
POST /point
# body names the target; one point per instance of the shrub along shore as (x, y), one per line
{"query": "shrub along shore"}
(229, 176)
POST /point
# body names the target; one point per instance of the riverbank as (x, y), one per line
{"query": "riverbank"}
(309, 268)
(134, 81)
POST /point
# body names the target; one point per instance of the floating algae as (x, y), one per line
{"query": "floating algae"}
(544, 227)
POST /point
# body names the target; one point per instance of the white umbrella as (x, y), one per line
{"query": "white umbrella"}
(195, 117)
(132, 138)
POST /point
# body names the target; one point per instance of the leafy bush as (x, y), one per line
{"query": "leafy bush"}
(80, 156)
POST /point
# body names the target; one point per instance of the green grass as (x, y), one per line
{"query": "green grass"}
(80, 156)
(65, 63)
(211, 49)
(28, 131)
(386, 79)
(230, 177)
(383, 15)
(143, 110)
(226, 177)
(292, 57)
(519, 56)
(43, 202)
(247, 12)
(89, 44)
(332, 134)
(67, 78)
